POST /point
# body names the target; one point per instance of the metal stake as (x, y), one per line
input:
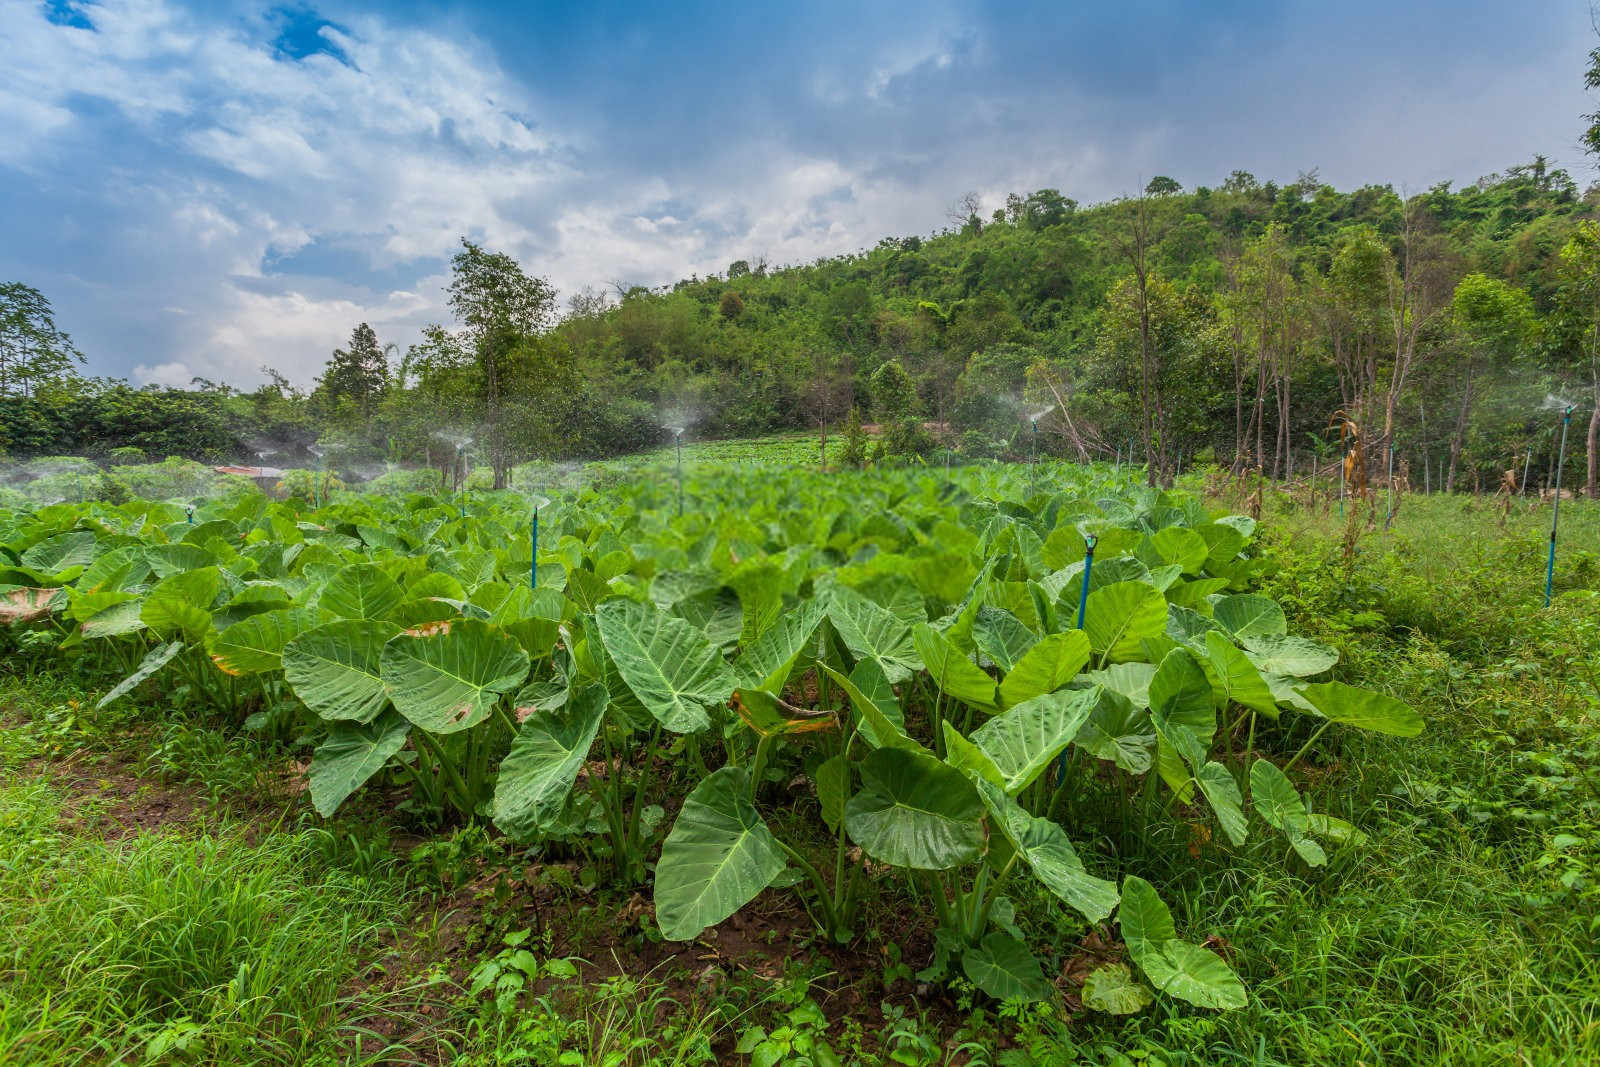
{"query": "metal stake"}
(1555, 511)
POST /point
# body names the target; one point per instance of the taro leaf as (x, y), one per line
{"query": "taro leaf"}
(1001, 636)
(1132, 680)
(1222, 543)
(24, 604)
(1277, 801)
(1187, 626)
(833, 789)
(547, 694)
(1181, 545)
(1250, 615)
(882, 727)
(334, 671)
(361, 591)
(1240, 681)
(1046, 667)
(717, 613)
(761, 712)
(1003, 967)
(587, 589)
(1286, 690)
(968, 758)
(1297, 657)
(1176, 967)
(1181, 692)
(449, 680)
(167, 560)
(1111, 988)
(180, 606)
(1119, 731)
(1195, 974)
(1222, 793)
(668, 664)
(55, 556)
(115, 621)
(255, 645)
(1363, 708)
(873, 632)
(952, 671)
(351, 754)
(538, 772)
(1121, 615)
(121, 568)
(1192, 594)
(766, 663)
(915, 811)
(418, 613)
(1044, 846)
(669, 587)
(718, 856)
(1023, 741)
(153, 661)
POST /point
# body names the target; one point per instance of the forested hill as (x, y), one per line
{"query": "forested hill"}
(1226, 324)
(1280, 275)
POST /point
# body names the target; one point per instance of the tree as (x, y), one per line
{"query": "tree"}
(731, 306)
(355, 378)
(1580, 304)
(1161, 185)
(499, 307)
(1493, 323)
(893, 394)
(33, 352)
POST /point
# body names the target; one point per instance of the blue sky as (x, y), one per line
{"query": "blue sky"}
(204, 189)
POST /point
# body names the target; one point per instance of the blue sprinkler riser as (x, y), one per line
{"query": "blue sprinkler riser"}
(1555, 509)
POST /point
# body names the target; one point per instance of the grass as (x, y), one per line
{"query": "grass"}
(1464, 930)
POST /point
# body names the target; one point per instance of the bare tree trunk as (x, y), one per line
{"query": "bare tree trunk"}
(1459, 437)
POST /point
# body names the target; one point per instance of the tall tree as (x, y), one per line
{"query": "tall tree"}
(33, 351)
(499, 307)
(354, 379)
(1493, 323)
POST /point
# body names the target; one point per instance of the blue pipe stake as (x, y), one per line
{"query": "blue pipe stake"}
(533, 573)
(1526, 466)
(189, 511)
(1083, 607)
(1555, 511)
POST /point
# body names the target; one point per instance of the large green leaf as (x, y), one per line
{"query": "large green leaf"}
(880, 717)
(915, 811)
(1249, 615)
(718, 856)
(1047, 666)
(1121, 615)
(952, 671)
(1176, 967)
(1023, 741)
(1119, 731)
(668, 664)
(1362, 707)
(1297, 657)
(361, 591)
(1222, 793)
(1044, 846)
(56, 556)
(873, 632)
(1278, 802)
(766, 663)
(537, 774)
(153, 661)
(1181, 692)
(1001, 636)
(352, 754)
(255, 645)
(449, 679)
(1003, 967)
(1237, 676)
(179, 607)
(1180, 545)
(334, 669)
(1111, 988)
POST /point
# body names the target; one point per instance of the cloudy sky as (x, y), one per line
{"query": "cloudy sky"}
(207, 188)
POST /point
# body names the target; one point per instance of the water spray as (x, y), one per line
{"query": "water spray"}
(1555, 510)
(1526, 466)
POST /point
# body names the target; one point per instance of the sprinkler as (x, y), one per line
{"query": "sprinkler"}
(1034, 422)
(1526, 466)
(1117, 467)
(188, 509)
(1555, 510)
